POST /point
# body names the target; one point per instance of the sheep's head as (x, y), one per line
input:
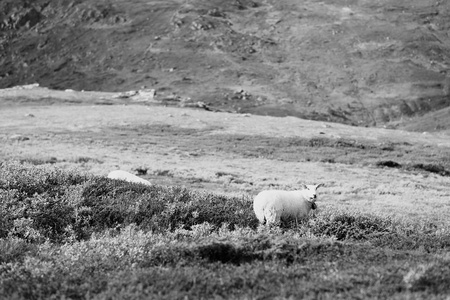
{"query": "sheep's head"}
(310, 191)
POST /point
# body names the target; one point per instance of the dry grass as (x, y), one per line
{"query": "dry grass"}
(392, 222)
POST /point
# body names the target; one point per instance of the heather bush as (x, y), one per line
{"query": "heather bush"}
(242, 262)
(348, 225)
(38, 204)
(161, 208)
(90, 237)
(29, 180)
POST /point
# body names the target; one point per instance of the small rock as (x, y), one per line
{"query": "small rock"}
(201, 104)
(126, 95)
(28, 86)
(147, 94)
(30, 115)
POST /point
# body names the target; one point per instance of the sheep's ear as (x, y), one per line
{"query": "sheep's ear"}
(319, 185)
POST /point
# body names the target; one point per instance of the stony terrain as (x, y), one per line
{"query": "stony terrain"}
(376, 63)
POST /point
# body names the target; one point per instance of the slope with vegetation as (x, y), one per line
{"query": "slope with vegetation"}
(70, 235)
(382, 226)
(356, 62)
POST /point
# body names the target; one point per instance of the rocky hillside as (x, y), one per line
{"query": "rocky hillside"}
(378, 62)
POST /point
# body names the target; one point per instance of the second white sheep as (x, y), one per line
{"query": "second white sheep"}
(272, 206)
(124, 175)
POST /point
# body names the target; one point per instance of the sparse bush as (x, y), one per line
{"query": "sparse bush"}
(432, 168)
(388, 163)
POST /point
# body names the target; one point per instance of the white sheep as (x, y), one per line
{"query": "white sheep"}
(124, 175)
(272, 206)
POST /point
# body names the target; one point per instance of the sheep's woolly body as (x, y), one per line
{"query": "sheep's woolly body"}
(273, 205)
(124, 175)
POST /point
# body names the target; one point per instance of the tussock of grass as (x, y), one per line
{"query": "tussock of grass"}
(66, 235)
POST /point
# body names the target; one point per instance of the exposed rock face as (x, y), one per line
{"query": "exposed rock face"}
(27, 17)
(368, 63)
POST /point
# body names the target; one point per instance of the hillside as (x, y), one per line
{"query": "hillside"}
(224, 152)
(381, 229)
(67, 235)
(376, 63)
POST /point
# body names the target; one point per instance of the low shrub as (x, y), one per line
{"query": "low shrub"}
(263, 261)
(344, 226)
(39, 204)
(29, 180)
(160, 208)
(388, 163)
(432, 168)
(14, 249)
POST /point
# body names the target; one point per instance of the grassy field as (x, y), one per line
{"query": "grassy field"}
(66, 234)
(381, 229)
